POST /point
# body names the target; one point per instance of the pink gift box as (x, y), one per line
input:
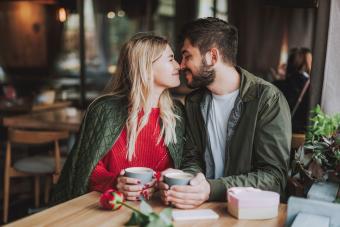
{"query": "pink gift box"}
(251, 203)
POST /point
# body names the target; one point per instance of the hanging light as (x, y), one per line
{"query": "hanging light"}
(111, 15)
(62, 15)
(121, 13)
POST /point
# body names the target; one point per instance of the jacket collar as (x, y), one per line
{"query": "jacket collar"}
(247, 93)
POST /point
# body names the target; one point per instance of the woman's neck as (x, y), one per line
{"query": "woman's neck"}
(154, 97)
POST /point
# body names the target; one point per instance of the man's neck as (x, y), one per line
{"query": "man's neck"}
(226, 81)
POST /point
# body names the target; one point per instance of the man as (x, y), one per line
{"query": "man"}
(238, 129)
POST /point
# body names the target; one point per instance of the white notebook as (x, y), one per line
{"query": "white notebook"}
(198, 214)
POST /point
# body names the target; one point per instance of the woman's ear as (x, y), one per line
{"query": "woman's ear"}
(212, 56)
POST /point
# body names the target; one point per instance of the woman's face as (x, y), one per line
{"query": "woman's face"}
(166, 70)
(309, 62)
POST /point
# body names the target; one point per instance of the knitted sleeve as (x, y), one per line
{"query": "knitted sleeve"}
(101, 179)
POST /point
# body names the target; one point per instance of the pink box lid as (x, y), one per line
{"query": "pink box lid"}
(252, 197)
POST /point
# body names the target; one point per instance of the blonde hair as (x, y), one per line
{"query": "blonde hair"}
(134, 79)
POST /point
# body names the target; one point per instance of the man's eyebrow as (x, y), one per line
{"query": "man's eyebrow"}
(184, 52)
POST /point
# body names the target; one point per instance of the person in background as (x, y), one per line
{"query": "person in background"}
(137, 124)
(238, 126)
(296, 86)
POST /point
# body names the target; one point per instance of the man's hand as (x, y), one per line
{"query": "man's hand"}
(162, 186)
(188, 196)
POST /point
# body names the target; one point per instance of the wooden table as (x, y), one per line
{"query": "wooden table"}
(56, 119)
(56, 105)
(25, 106)
(85, 211)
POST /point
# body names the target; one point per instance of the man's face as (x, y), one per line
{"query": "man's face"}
(197, 73)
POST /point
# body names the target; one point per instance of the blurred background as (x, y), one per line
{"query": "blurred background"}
(49, 44)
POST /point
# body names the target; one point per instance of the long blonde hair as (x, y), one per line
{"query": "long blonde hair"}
(134, 79)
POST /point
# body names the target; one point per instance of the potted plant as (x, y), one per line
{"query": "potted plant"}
(319, 158)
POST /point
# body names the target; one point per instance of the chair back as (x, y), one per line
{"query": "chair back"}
(298, 139)
(31, 137)
(35, 137)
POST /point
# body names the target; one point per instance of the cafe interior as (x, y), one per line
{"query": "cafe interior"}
(58, 56)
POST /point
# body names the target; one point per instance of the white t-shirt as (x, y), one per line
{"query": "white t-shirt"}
(219, 113)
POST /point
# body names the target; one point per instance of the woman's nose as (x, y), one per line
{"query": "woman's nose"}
(177, 66)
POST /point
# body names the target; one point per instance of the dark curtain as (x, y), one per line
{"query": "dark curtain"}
(319, 51)
(261, 32)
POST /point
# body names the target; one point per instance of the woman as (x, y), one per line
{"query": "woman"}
(138, 124)
(296, 86)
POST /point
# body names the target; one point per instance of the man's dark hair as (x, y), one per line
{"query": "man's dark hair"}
(209, 32)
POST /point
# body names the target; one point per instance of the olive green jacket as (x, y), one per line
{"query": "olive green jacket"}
(101, 126)
(258, 137)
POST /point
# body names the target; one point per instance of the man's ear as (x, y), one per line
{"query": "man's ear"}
(212, 56)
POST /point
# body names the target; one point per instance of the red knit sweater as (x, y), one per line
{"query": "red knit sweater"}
(147, 154)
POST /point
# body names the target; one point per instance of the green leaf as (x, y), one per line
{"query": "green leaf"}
(337, 139)
(145, 208)
(166, 215)
(145, 217)
(137, 219)
(157, 221)
(309, 146)
(153, 216)
(337, 155)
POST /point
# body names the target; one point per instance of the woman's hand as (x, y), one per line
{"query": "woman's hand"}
(149, 189)
(132, 188)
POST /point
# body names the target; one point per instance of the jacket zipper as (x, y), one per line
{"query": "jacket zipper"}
(230, 139)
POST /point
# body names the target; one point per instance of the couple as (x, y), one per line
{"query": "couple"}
(233, 131)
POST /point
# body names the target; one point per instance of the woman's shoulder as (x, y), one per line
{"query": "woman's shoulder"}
(107, 102)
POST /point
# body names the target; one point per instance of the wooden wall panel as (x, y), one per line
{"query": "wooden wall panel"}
(23, 34)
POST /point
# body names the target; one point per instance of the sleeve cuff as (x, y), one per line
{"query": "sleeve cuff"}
(218, 191)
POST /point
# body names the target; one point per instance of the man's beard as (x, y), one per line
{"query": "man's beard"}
(204, 77)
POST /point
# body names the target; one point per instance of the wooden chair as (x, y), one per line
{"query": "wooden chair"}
(35, 166)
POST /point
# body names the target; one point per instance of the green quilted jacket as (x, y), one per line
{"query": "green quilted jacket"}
(101, 126)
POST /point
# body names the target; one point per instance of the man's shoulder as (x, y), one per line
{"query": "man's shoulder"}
(267, 88)
(259, 88)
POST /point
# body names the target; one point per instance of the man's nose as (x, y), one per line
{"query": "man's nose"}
(182, 65)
